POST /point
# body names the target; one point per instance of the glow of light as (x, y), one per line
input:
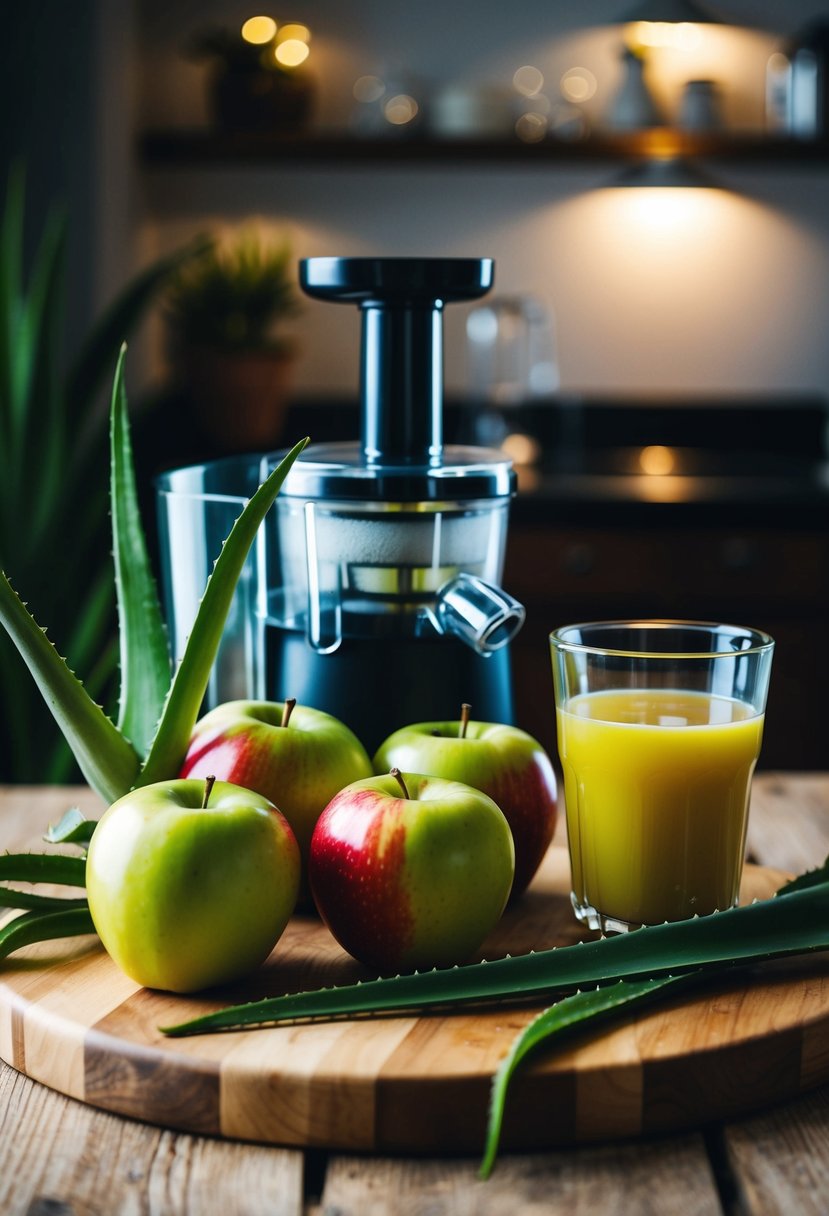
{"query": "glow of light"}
(368, 88)
(666, 213)
(259, 30)
(665, 489)
(656, 460)
(291, 53)
(530, 128)
(400, 109)
(676, 35)
(578, 84)
(528, 80)
(523, 449)
(294, 31)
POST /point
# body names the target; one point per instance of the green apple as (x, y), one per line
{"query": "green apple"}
(191, 884)
(299, 757)
(410, 871)
(503, 761)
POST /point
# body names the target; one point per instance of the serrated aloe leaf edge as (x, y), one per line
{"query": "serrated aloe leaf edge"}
(108, 762)
(768, 928)
(44, 926)
(72, 828)
(566, 1016)
(187, 690)
(107, 758)
(145, 658)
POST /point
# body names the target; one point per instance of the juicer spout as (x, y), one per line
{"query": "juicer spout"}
(485, 617)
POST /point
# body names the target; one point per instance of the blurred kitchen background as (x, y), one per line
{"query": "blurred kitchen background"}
(653, 183)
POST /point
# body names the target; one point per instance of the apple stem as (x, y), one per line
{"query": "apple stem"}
(209, 782)
(466, 710)
(398, 776)
(287, 710)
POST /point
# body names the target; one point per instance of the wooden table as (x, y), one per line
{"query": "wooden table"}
(61, 1158)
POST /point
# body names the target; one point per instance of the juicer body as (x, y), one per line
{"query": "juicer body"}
(378, 686)
(376, 577)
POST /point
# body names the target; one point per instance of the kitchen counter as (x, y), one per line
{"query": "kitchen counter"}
(58, 1156)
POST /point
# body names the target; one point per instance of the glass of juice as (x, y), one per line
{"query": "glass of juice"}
(659, 729)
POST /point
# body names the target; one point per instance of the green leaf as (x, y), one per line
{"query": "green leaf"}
(145, 659)
(43, 867)
(190, 680)
(72, 828)
(794, 924)
(43, 927)
(565, 1017)
(106, 759)
(44, 903)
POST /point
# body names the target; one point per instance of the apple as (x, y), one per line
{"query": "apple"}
(190, 884)
(503, 761)
(410, 871)
(296, 756)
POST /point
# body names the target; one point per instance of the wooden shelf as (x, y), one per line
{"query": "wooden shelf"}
(160, 149)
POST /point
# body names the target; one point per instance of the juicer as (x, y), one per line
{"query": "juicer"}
(374, 588)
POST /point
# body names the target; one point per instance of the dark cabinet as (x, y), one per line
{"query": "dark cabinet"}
(774, 580)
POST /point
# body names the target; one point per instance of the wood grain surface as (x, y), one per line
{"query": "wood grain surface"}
(70, 1019)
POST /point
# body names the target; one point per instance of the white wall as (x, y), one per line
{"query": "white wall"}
(686, 291)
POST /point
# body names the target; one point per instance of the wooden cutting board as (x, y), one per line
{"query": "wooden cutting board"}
(70, 1019)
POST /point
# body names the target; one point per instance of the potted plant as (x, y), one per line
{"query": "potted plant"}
(225, 312)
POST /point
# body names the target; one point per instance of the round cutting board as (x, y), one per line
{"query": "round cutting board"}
(70, 1019)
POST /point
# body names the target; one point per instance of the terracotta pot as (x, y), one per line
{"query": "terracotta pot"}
(239, 398)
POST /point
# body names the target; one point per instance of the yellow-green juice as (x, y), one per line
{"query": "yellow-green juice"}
(656, 786)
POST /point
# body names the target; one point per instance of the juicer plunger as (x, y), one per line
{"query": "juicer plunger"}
(382, 561)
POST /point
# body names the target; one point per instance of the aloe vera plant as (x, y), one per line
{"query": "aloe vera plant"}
(52, 438)
(157, 712)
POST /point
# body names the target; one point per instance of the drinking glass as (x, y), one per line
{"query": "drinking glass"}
(659, 729)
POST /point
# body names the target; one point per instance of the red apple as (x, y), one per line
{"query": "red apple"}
(299, 757)
(504, 762)
(410, 871)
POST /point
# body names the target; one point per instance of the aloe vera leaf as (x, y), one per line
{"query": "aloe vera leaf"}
(771, 928)
(565, 1017)
(43, 867)
(10, 898)
(43, 927)
(72, 828)
(574, 1011)
(145, 659)
(108, 762)
(190, 681)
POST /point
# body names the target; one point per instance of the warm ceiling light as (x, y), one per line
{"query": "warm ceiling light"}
(259, 30)
(528, 80)
(400, 109)
(531, 128)
(294, 31)
(656, 460)
(578, 84)
(291, 53)
(523, 449)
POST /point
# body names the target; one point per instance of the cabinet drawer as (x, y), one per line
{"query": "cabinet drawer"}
(717, 564)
